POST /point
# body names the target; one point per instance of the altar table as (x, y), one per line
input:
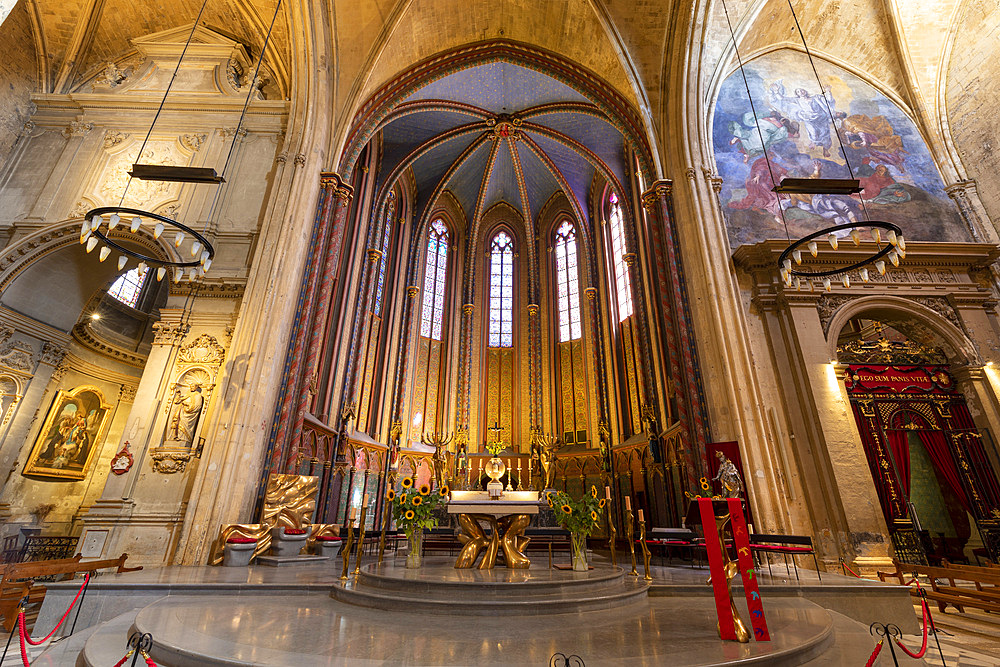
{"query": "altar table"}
(508, 517)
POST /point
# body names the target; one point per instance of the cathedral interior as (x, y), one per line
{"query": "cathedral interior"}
(443, 225)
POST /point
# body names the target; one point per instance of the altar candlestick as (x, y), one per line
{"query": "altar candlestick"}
(640, 517)
(645, 549)
(629, 532)
(607, 492)
(628, 503)
(361, 538)
(364, 503)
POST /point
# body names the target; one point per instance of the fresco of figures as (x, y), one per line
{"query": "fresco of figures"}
(883, 146)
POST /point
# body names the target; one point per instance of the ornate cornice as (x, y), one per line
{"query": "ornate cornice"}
(225, 288)
(84, 335)
(169, 333)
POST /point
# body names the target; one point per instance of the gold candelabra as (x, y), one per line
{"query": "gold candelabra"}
(440, 459)
(630, 534)
(361, 537)
(387, 511)
(612, 533)
(346, 553)
(645, 549)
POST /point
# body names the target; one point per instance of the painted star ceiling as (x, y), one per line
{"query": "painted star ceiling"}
(496, 133)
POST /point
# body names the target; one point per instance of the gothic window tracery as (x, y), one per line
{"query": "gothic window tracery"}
(623, 283)
(567, 283)
(435, 280)
(501, 331)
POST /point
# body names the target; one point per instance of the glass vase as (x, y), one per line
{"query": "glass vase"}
(578, 542)
(414, 553)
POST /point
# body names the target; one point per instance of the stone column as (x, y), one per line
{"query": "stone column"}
(534, 368)
(403, 360)
(464, 369)
(966, 197)
(115, 522)
(676, 327)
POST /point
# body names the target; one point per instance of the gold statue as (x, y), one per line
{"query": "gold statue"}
(543, 450)
(441, 457)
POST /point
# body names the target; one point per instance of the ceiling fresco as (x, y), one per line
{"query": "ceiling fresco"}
(883, 146)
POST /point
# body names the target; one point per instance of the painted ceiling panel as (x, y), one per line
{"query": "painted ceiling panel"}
(467, 179)
(404, 134)
(498, 87)
(579, 173)
(502, 185)
(596, 133)
(540, 181)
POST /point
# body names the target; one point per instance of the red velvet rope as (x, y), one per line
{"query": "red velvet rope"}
(36, 642)
(122, 661)
(923, 647)
(848, 569)
(24, 650)
(871, 660)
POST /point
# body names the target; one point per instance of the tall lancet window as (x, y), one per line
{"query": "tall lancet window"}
(502, 291)
(623, 283)
(571, 386)
(374, 346)
(430, 379)
(567, 282)
(500, 402)
(434, 280)
(626, 341)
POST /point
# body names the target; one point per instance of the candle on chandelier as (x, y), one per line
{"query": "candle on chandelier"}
(628, 503)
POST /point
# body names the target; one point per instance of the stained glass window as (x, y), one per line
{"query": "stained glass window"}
(128, 287)
(502, 291)
(567, 283)
(623, 283)
(434, 280)
(390, 210)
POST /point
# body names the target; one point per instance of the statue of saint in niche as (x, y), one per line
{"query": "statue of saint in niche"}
(184, 415)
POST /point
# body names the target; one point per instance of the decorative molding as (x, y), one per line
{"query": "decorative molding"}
(127, 393)
(192, 142)
(169, 333)
(168, 462)
(828, 305)
(204, 350)
(113, 137)
(941, 306)
(52, 353)
(300, 160)
(60, 372)
(5, 333)
(84, 335)
(210, 288)
(77, 128)
(18, 355)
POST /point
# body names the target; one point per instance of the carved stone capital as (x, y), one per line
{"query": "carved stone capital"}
(300, 160)
(112, 138)
(374, 255)
(533, 309)
(590, 292)
(77, 128)
(412, 291)
(169, 462)
(629, 258)
(468, 309)
(169, 333)
(193, 142)
(52, 354)
(127, 393)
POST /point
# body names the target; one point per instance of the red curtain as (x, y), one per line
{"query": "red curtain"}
(899, 446)
(937, 448)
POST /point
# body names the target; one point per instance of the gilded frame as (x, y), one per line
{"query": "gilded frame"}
(52, 441)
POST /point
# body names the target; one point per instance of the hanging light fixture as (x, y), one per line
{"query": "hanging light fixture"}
(894, 250)
(202, 251)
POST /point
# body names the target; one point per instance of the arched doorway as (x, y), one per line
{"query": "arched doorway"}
(933, 469)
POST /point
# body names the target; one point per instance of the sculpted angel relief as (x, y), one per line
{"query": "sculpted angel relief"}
(795, 135)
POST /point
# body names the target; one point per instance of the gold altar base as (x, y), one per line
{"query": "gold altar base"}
(507, 519)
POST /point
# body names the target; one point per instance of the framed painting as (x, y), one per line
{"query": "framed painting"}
(73, 431)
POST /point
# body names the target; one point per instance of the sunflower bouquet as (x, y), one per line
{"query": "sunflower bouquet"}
(577, 516)
(415, 508)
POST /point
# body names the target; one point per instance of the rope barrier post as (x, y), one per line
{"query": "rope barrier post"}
(20, 606)
(83, 596)
(140, 644)
(930, 622)
(889, 633)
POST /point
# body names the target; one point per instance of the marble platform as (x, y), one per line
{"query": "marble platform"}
(440, 588)
(294, 616)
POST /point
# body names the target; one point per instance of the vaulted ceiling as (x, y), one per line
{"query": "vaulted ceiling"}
(499, 132)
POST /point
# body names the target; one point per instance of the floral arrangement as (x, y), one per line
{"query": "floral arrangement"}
(704, 492)
(577, 516)
(414, 509)
(496, 447)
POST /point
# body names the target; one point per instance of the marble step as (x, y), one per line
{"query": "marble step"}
(106, 644)
(441, 589)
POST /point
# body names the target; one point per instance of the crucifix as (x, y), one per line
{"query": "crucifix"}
(496, 430)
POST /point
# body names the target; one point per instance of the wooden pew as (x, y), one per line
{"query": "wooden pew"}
(18, 580)
(983, 593)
